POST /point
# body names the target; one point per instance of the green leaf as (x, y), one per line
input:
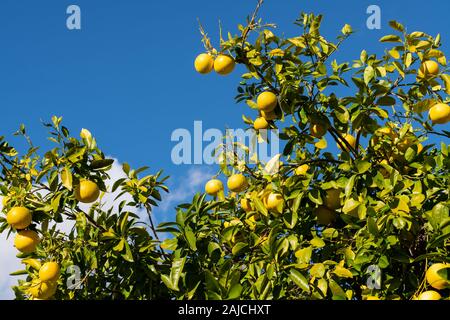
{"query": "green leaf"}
(330, 233)
(314, 196)
(317, 270)
(446, 79)
(363, 166)
(101, 165)
(18, 273)
(170, 244)
(397, 25)
(239, 247)
(66, 178)
(128, 255)
(350, 205)
(342, 272)
(259, 206)
(369, 74)
(299, 279)
(336, 290)
(235, 291)
(191, 239)
(119, 247)
(304, 255)
(176, 270)
(391, 38)
(347, 29)
(386, 101)
(317, 242)
(211, 283)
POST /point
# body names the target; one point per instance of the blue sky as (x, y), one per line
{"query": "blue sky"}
(128, 75)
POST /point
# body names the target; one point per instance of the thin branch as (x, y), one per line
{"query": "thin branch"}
(251, 24)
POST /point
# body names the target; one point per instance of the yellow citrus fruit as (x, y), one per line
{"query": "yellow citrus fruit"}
(237, 183)
(332, 199)
(42, 290)
(213, 187)
(350, 139)
(266, 101)
(439, 113)
(273, 201)
(246, 204)
(429, 68)
(429, 295)
(260, 123)
(302, 170)
(49, 272)
(87, 191)
(318, 130)
(372, 298)
(204, 63)
(269, 115)
(26, 241)
(19, 217)
(324, 215)
(434, 279)
(224, 64)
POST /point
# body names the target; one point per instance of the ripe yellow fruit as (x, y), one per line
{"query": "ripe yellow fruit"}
(372, 298)
(224, 64)
(213, 187)
(49, 272)
(332, 199)
(317, 130)
(350, 139)
(273, 201)
(266, 101)
(26, 241)
(260, 123)
(246, 204)
(237, 183)
(204, 63)
(87, 191)
(302, 170)
(42, 290)
(324, 215)
(439, 113)
(19, 217)
(434, 279)
(429, 295)
(269, 115)
(429, 68)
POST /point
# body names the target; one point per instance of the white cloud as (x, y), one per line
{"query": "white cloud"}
(186, 187)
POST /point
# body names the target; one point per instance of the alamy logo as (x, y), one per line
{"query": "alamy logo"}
(212, 146)
(73, 22)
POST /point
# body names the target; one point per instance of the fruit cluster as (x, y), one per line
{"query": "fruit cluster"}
(20, 219)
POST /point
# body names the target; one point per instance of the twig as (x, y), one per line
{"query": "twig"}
(251, 23)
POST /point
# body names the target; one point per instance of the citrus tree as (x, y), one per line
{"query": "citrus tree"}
(106, 249)
(368, 222)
